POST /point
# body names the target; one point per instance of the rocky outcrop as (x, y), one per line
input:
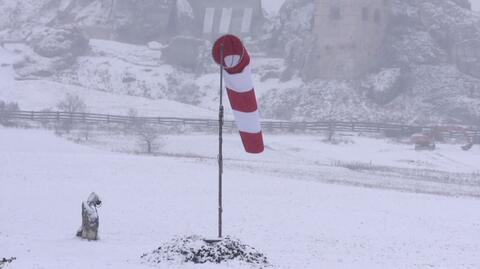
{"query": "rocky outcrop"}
(140, 21)
(58, 42)
(430, 32)
(425, 94)
(467, 57)
(429, 68)
(188, 53)
(132, 21)
(48, 50)
(384, 86)
(419, 32)
(292, 35)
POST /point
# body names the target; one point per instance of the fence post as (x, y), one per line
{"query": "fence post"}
(58, 116)
(84, 117)
(108, 118)
(330, 131)
(292, 127)
(32, 115)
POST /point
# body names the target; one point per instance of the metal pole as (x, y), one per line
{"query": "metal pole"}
(220, 145)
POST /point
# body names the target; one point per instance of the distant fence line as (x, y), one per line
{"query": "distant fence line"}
(285, 126)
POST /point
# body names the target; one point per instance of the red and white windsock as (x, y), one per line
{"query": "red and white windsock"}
(238, 81)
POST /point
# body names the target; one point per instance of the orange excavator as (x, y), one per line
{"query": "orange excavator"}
(426, 140)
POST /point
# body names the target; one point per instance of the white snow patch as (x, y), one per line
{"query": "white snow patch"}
(184, 8)
(385, 79)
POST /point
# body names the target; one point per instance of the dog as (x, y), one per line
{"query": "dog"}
(90, 220)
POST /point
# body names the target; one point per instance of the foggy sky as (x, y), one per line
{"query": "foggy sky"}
(475, 4)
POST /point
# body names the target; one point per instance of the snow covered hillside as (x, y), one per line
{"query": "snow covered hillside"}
(39, 94)
(428, 73)
(149, 200)
(115, 77)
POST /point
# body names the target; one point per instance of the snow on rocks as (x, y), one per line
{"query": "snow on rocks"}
(184, 8)
(194, 249)
(54, 42)
(385, 85)
(4, 261)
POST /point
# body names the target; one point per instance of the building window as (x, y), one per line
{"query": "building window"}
(365, 14)
(377, 17)
(335, 13)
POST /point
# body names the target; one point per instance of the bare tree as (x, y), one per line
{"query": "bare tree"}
(149, 137)
(72, 103)
(133, 123)
(330, 115)
(6, 110)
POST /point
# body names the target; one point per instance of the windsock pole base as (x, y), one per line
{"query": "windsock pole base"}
(213, 240)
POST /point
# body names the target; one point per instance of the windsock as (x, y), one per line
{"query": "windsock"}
(238, 82)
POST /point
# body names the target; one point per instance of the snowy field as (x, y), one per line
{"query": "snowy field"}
(278, 202)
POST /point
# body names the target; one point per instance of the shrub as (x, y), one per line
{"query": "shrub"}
(6, 111)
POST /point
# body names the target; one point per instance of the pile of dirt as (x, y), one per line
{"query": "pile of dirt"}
(194, 249)
(4, 261)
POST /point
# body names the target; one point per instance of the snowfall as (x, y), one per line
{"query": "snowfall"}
(362, 202)
(296, 203)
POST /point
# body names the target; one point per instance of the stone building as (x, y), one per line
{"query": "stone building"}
(348, 38)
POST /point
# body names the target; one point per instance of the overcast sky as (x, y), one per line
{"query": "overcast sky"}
(476, 4)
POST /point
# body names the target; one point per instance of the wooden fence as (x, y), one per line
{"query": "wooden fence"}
(206, 124)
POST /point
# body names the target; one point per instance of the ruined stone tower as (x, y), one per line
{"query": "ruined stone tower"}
(349, 37)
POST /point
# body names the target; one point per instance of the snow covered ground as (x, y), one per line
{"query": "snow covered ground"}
(294, 217)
